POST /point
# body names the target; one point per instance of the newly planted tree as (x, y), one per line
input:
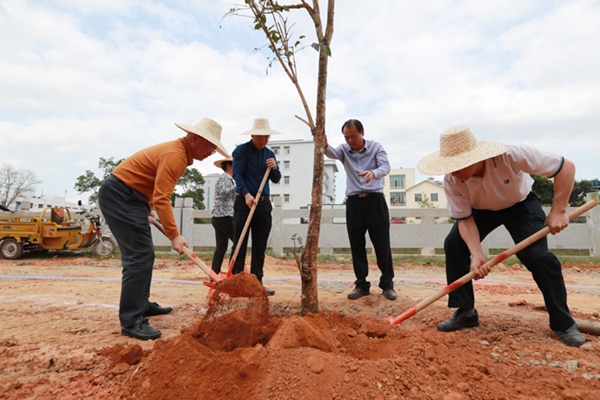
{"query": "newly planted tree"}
(271, 18)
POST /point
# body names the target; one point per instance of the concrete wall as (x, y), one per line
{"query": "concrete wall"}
(425, 235)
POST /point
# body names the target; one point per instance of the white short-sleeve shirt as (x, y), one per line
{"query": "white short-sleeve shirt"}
(505, 182)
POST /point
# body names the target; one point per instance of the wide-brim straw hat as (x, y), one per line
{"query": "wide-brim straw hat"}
(209, 130)
(458, 149)
(261, 127)
(219, 163)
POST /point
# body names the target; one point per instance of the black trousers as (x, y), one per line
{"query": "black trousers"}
(370, 214)
(259, 228)
(521, 220)
(223, 234)
(126, 213)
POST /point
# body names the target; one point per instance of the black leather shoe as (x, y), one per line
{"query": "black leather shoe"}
(141, 330)
(358, 293)
(390, 294)
(460, 319)
(154, 309)
(270, 292)
(572, 336)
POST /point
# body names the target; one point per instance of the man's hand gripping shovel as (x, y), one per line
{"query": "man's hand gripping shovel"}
(212, 274)
(499, 258)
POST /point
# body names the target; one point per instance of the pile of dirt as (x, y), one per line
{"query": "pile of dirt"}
(247, 355)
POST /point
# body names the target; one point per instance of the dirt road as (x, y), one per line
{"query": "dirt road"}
(60, 338)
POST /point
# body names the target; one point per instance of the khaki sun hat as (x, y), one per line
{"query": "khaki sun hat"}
(261, 127)
(458, 149)
(209, 130)
(219, 163)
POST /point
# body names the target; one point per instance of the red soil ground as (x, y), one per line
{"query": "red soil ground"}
(60, 339)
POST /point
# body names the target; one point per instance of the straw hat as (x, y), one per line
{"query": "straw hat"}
(209, 130)
(261, 127)
(458, 149)
(219, 163)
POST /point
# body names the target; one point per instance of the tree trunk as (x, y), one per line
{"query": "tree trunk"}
(310, 294)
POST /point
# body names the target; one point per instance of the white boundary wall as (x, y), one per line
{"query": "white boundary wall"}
(426, 235)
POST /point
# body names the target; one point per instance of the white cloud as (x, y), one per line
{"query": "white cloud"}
(80, 80)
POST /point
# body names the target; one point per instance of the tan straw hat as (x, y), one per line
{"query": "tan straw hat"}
(458, 149)
(219, 163)
(209, 130)
(261, 127)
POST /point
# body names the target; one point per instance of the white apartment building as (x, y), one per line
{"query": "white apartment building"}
(295, 160)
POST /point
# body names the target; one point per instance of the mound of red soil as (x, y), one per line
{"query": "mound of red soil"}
(247, 355)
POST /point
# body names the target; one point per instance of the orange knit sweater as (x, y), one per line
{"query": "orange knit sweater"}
(154, 172)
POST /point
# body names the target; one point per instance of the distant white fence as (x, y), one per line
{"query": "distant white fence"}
(425, 235)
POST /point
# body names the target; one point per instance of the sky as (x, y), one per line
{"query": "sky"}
(80, 80)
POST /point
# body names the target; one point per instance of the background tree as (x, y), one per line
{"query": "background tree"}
(425, 202)
(544, 188)
(14, 182)
(190, 183)
(88, 182)
(580, 189)
(270, 17)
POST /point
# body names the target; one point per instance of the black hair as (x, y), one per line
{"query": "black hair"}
(355, 123)
(224, 165)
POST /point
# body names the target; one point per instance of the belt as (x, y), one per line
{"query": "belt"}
(261, 198)
(366, 194)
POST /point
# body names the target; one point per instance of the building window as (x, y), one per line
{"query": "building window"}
(397, 181)
(276, 150)
(418, 197)
(286, 198)
(434, 197)
(286, 149)
(286, 180)
(397, 199)
(286, 165)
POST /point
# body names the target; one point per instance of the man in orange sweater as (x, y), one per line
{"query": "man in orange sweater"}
(142, 182)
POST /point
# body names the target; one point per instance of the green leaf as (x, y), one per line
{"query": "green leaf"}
(315, 46)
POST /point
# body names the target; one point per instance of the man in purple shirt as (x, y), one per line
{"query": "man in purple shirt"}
(366, 164)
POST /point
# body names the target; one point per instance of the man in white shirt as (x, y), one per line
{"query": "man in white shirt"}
(488, 184)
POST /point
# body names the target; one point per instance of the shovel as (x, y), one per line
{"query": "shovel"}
(212, 274)
(499, 258)
(243, 235)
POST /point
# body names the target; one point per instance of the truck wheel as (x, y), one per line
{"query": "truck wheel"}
(11, 249)
(104, 247)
